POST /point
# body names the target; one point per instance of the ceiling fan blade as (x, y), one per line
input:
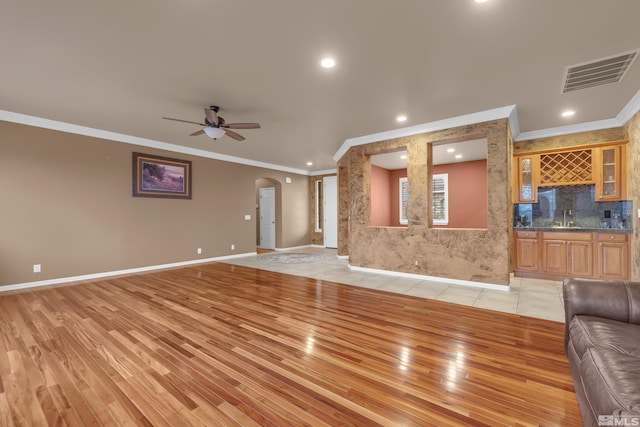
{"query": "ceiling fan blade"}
(241, 126)
(184, 121)
(211, 115)
(234, 135)
(196, 133)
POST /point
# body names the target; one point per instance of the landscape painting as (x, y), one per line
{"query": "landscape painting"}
(155, 176)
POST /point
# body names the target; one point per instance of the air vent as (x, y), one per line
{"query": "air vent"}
(601, 72)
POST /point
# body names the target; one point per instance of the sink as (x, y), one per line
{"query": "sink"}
(563, 226)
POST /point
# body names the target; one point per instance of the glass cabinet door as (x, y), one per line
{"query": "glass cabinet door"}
(609, 176)
(527, 179)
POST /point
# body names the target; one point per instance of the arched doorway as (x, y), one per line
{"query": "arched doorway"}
(268, 213)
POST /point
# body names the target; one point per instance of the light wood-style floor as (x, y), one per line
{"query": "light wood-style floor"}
(219, 344)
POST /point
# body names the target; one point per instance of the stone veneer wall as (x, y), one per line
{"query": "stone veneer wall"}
(344, 197)
(472, 255)
(571, 140)
(632, 133)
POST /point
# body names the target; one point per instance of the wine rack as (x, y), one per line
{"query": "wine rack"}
(569, 167)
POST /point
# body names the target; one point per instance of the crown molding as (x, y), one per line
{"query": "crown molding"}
(569, 129)
(324, 172)
(508, 112)
(24, 119)
(627, 112)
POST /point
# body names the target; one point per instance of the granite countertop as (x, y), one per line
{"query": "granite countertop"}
(576, 229)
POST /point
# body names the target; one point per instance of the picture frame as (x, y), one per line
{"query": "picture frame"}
(162, 177)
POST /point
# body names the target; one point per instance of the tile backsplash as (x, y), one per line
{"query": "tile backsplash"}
(574, 206)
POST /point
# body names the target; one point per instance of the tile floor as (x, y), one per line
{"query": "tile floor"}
(527, 297)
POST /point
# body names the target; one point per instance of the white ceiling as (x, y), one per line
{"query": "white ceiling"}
(120, 66)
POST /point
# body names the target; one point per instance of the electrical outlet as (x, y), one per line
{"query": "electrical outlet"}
(416, 263)
(37, 268)
(233, 247)
(199, 251)
(247, 217)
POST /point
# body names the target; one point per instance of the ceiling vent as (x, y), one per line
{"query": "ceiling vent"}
(596, 73)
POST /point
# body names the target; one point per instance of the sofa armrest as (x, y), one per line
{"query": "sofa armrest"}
(611, 299)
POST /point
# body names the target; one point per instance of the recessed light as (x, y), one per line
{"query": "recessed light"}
(309, 163)
(328, 63)
(568, 113)
(401, 118)
(458, 156)
(480, 1)
(450, 150)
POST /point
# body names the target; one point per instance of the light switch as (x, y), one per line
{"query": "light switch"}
(247, 217)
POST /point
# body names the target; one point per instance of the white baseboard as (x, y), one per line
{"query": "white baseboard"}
(93, 276)
(431, 278)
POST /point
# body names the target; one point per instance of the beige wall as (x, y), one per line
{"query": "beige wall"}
(473, 255)
(67, 205)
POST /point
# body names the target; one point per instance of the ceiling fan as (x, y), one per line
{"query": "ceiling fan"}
(215, 127)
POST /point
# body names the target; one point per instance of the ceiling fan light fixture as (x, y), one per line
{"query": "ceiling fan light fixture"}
(214, 133)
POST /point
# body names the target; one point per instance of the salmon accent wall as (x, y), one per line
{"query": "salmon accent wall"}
(468, 193)
(394, 194)
(381, 197)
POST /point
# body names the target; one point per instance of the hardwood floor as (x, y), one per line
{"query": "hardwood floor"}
(224, 345)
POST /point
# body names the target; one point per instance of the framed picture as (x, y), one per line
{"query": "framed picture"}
(155, 176)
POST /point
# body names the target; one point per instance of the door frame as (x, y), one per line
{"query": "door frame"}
(332, 212)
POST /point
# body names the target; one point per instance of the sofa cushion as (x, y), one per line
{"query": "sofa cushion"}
(587, 331)
(610, 380)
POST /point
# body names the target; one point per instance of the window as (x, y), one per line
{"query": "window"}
(404, 199)
(440, 191)
(319, 218)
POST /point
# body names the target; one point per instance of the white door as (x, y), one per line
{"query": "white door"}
(330, 226)
(268, 218)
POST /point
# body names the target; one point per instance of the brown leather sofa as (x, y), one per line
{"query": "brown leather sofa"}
(602, 342)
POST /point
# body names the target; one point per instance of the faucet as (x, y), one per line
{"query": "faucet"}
(566, 212)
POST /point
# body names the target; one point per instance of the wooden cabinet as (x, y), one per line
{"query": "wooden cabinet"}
(613, 256)
(526, 178)
(604, 165)
(580, 258)
(527, 251)
(610, 171)
(554, 255)
(558, 255)
(569, 254)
